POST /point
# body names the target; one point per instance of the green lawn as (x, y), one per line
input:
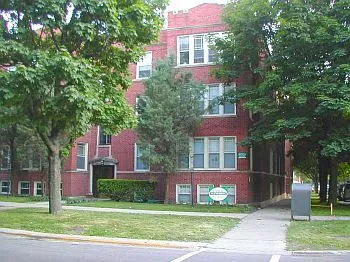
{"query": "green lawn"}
(322, 209)
(163, 207)
(19, 199)
(319, 235)
(136, 226)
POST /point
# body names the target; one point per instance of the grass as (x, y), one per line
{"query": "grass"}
(319, 235)
(136, 226)
(169, 207)
(322, 209)
(20, 199)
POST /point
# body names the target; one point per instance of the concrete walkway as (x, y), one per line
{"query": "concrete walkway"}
(7, 205)
(263, 231)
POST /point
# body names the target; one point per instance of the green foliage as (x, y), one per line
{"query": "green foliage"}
(65, 67)
(344, 172)
(127, 190)
(169, 112)
(296, 55)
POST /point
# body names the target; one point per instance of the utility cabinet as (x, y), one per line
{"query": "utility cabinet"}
(301, 200)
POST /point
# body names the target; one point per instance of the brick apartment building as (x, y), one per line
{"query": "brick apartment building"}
(216, 160)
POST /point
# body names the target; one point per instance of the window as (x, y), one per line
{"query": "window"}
(229, 152)
(214, 153)
(184, 43)
(82, 156)
(38, 189)
(183, 194)
(198, 154)
(144, 67)
(23, 188)
(231, 198)
(104, 139)
(198, 54)
(31, 160)
(203, 194)
(5, 158)
(195, 49)
(139, 164)
(183, 160)
(5, 187)
(211, 101)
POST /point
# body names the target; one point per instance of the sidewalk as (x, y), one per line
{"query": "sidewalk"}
(263, 231)
(7, 205)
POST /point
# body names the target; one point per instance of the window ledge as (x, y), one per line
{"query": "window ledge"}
(195, 65)
(219, 116)
(141, 171)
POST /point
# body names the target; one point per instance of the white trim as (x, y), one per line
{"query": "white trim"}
(177, 191)
(206, 45)
(198, 193)
(8, 157)
(86, 151)
(206, 153)
(135, 161)
(36, 187)
(235, 192)
(1, 186)
(140, 63)
(20, 188)
(221, 112)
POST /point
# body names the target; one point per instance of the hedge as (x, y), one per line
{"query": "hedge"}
(124, 189)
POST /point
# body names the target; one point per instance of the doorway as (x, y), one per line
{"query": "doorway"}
(101, 172)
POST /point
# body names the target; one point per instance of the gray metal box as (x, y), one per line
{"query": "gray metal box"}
(301, 200)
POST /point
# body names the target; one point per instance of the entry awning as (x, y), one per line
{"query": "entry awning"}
(103, 161)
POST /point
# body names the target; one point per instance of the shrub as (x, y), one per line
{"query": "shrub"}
(127, 190)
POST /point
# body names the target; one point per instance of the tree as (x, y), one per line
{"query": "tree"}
(302, 53)
(66, 67)
(169, 112)
(306, 163)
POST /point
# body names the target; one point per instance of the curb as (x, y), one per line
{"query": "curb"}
(104, 240)
(320, 252)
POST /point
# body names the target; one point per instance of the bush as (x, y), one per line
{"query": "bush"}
(127, 190)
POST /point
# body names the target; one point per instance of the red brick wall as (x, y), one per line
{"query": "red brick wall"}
(240, 179)
(204, 18)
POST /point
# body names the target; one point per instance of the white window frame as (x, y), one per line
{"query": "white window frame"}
(235, 193)
(206, 100)
(206, 45)
(198, 192)
(8, 157)
(178, 190)
(30, 161)
(206, 153)
(35, 193)
(86, 150)
(100, 129)
(135, 161)
(20, 188)
(7, 187)
(146, 60)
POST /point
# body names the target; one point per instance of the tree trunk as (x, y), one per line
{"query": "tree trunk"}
(332, 199)
(323, 178)
(55, 206)
(15, 169)
(316, 185)
(166, 199)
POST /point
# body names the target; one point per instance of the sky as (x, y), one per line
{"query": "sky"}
(186, 4)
